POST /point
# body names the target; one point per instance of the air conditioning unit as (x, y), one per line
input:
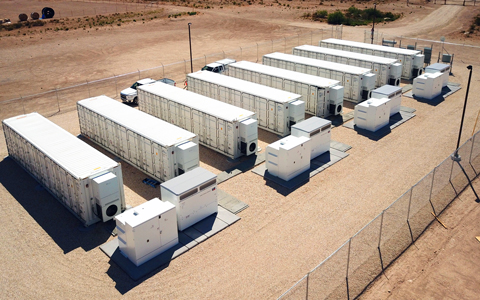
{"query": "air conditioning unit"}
(107, 197)
(336, 100)
(248, 136)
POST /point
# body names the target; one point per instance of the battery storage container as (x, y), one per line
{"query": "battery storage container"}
(357, 82)
(84, 180)
(388, 70)
(225, 128)
(319, 132)
(323, 96)
(157, 148)
(194, 194)
(412, 60)
(276, 110)
(147, 230)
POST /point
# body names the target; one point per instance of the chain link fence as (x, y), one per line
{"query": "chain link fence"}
(64, 99)
(348, 271)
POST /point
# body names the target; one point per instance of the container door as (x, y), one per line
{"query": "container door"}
(157, 161)
(247, 75)
(290, 66)
(289, 86)
(237, 96)
(132, 147)
(356, 88)
(310, 98)
(262, 115)
(324, 73)
(187, 118)
(265, 80)
(407, 66)
(384, 72)
(110, 135)
(212, 131)
(300, 68)
(255, 77)
(140, 151)
(347, 83)
(277, 83)
(312, 70)
(172, 117)
(271, 115)
(282, 119)
(223, 94)
(321, 103)
(231, 143)
(214, 92)
(222, 135)
(330, 58)
(166, 166)
(197, 125)
(247, 101)
(163, 109)
(148, 156)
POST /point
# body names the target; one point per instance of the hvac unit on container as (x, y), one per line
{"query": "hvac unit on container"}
(147, 230)
(318, 130)
(84, 180)
(394, 93)
(428, 85)
(288, 157)
(388, 70)
(372, 114)
(411, 60)
(442, 68)
(323, 96)
(276, 110)
(158, 148)
(357, 82)
(194, 195)
(222, 127)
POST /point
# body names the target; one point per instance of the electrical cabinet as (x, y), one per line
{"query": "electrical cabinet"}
(288, 157)
(442, 68)
(372, 114)
(319, 132)
(394, 93)
(428, 85)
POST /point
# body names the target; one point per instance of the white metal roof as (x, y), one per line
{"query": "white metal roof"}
(311, 124)
(373, 47)
(73, 155)
(144, 212)
(247, 87)
(319, 63)
(348, 54)
(286, 74)
(159, 131)
(201, 103)
(189, 180)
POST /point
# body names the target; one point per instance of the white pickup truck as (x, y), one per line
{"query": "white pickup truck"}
(130, 94)
(220, 66)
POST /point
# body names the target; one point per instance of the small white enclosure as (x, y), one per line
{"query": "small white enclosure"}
(158, 148)
(323, 96)
(428, 85)
(388, 70)
(276, 110)
(220, 126)
(288, 157)
(194, 195)
(147, 230)
(84, 180)
(394, 93)
(412, 60)
(372, 114)
(319, 132)
(357, 82)
(442, 68)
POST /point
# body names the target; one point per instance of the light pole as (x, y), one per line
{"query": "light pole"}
(455, 156)
(190, 42)
(374, 13)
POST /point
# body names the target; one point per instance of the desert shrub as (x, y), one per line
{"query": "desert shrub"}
(336, 18)
(319, 14)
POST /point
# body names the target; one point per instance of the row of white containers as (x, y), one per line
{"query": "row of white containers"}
(276, 110)
(412, 60)
(84, 180)
(322, 96)
(225, 128)
(388, 70)
(158, 148)
(357, 82)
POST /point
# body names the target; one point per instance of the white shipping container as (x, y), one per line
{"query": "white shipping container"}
(318, 130)
(84, 180)
(323, 96)
(157, 148)
(428, 85)
(194, 195)
(394, 93)
(442, 68)
(388, 70)
(220, 126)
(372, 114)
(412, 60)
(147, 230)
(357, 82)
(288, 157)
(276, 110)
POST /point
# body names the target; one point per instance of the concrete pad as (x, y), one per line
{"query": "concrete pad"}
(407, 109)
(252, 161)
(229, 202)
(194, 234)
(186, 240)
(210, 225)
(227, 216)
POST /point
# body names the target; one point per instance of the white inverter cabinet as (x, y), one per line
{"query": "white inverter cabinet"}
(394, 93)
(372, 114)
(442, 68)
(194, 195)
(357, 82)
(84, 180)
(288, 157)
(147, 230)
(276, 110)
(220, 126)
(428, 85)
(388, 70)
(157, 148)
(412, 60)
(323, 96)
(318, 130)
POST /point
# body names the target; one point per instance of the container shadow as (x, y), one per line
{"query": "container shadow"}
(59, 223)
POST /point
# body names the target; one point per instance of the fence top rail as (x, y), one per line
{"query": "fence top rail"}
(297, 283)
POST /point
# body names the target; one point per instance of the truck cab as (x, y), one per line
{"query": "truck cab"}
(220, 66)
(130, 94)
